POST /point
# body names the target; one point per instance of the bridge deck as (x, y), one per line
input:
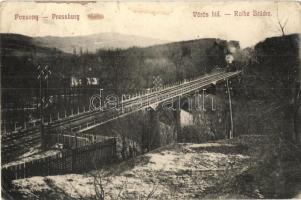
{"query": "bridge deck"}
(91, 119)
(148, 100)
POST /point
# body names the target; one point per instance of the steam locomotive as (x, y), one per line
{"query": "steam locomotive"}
(231, 64)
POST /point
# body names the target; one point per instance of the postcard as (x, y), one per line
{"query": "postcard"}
(150, 99)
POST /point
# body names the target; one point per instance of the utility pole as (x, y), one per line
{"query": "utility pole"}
(230, 106)
(43, 74)
(229, 59)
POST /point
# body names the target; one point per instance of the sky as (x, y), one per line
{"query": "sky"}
(169, 21)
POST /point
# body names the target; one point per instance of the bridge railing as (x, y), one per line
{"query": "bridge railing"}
(18, 128)
(153, 100)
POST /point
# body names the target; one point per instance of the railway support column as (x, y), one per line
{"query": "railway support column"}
(230, 108)
(154, 129)
(177, 131)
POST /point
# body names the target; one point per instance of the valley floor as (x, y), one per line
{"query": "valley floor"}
(178, 171)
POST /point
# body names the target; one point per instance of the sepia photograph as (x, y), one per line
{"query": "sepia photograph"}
(150, 100)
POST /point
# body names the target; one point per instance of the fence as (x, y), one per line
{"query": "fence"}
(74, 160)
(72, 141)
(69, 141)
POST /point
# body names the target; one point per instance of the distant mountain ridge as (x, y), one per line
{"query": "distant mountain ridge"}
(18, 45)
(94, 42)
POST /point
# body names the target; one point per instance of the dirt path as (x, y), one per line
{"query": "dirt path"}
(180, 171)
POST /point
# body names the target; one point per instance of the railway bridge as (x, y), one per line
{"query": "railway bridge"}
(13, 142)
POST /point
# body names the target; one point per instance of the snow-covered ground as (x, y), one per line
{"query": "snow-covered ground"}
(179, 171)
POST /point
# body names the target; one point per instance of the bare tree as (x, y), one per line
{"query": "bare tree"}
(98, 187)
(281, 24)
(153, 190)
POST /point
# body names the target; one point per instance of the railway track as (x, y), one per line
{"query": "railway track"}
(12, 142)
(154, 98)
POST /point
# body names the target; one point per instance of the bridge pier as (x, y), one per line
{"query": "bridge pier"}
(154, 129)
(157, 138)
(177, 131)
